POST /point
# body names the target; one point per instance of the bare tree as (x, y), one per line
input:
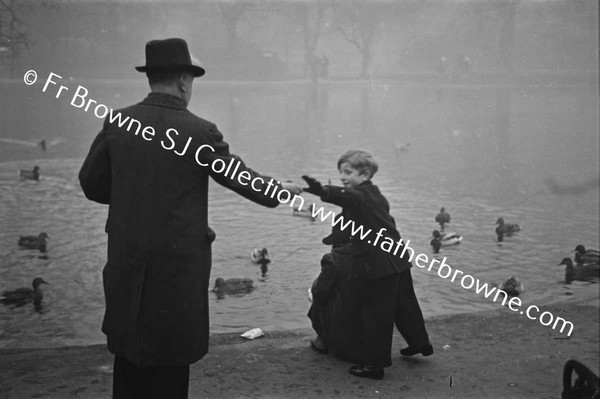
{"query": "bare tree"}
(313, 23)
(231, 13)
(308, 16)
(13, 37)
(483, 23)
(357, 21)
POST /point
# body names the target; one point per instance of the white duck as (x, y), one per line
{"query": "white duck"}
(448, 238)
(260, 256)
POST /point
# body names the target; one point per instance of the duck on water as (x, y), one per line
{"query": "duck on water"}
(260, 256)
(23, 295)
(30, 174)
(512, 286)
(586, 256)
(232, 286)
(444, 240)
(34, 242)
(305, 213)
(505, 229)
(585, 272)
(442, 218)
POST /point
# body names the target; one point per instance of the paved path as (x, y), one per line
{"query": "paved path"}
(496, 354)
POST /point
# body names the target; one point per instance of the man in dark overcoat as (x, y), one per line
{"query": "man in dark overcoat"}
(150, 163)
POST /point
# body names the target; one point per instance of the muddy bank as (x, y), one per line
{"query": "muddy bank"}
(496, 354)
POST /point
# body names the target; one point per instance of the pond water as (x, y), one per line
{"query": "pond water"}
(482, 151)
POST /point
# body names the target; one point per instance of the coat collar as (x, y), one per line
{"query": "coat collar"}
(164, 100)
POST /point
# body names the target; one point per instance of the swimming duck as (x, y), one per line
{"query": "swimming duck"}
(401, 147)
(21, 295)
(260, 256)
(442, 217)
(33, 242)
(584, 272)
(233, 285)
(446, 239)
(505, 229)
(512, 286)
(586, 256)
(436, 244)
(30, 174)
(305, 213)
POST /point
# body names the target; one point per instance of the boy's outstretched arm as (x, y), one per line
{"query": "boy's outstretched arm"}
(314, 186)
(342, 196)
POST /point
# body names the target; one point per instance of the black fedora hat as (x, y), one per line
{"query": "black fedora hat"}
(169, 55)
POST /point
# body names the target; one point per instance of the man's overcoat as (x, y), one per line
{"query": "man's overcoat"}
(146, 165)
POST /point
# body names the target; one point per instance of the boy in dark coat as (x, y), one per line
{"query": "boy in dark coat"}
(379, 276)
(333, 312)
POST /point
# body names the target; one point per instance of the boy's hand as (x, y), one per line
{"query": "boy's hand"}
(314, 186)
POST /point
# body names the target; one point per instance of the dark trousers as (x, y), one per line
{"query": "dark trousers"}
(408, 316)
(153, 382)
(377, 300)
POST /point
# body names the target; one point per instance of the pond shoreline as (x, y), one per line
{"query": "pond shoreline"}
(474, 78)
(486, 354)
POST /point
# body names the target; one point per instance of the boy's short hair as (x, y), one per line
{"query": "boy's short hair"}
(360, 160)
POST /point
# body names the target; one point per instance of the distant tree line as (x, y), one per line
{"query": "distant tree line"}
(306, 34)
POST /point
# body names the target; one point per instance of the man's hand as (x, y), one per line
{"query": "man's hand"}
(292, 187)
(314, 186)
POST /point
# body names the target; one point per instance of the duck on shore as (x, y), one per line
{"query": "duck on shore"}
(23, 295)
(30, 174)
(505, 229)
(34, 242)
(586, 256)
(585, 272)
(442, 218)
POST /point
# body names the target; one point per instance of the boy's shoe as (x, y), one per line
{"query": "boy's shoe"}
(367, 372)
(319, 345)
(426, 350)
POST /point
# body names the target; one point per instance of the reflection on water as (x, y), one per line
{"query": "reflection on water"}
(480, 152)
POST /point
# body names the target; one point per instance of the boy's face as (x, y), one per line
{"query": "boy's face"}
(350, 176)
